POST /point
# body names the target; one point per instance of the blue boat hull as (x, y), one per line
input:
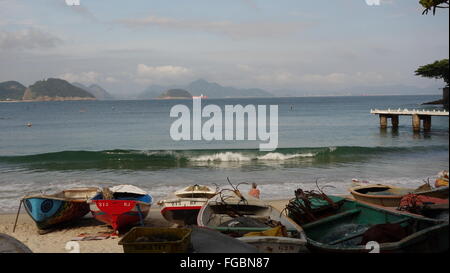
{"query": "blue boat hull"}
(49, 212)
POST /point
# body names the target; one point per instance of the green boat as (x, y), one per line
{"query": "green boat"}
(348, 226)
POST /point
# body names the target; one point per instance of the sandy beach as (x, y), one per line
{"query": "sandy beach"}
(56, 241)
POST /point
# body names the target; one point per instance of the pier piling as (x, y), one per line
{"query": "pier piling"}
(416, 122)
(417, 117)
(394, 121)
(426, 123)
(383, 121)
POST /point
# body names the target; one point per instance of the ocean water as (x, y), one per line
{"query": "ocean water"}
(324, 141)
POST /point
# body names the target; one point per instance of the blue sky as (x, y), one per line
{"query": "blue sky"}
(300, 46)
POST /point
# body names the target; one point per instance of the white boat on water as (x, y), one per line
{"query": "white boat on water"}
(240, 215)
(200, 97)
(182, 206)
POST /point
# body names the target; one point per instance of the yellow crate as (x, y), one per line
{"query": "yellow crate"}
(180, 244)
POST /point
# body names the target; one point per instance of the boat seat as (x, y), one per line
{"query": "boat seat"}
(332, 218)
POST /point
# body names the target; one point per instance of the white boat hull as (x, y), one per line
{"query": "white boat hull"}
(183, 206)
(182, 211)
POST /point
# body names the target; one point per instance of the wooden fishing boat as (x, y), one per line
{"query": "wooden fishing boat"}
(51, 210)
(252, 221)
(121, 206)
(390, 196)
(355, 226)
(182, 206)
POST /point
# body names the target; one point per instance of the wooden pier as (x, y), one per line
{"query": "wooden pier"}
(417, 116)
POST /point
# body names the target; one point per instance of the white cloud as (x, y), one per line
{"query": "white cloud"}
(244, 67)
(161, 71)
(88, 77)
(83, 77)
(29, 38)
(111, 80)
(159, 74)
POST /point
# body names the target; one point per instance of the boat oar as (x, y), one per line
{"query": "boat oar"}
(17, 216)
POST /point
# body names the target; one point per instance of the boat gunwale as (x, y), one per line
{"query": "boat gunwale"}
(181, 199)
(355, 193)
(55, 196)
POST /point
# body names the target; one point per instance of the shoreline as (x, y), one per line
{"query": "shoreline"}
(272, 97)
(53, 99)
(55, 241)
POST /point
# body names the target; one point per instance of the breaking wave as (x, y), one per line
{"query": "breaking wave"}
(148, 159)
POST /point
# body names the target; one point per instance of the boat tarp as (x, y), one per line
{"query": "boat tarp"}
(127, 189)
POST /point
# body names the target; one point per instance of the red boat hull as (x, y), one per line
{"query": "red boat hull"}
(119, 213)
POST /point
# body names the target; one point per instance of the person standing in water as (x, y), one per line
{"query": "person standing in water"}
(254, 191)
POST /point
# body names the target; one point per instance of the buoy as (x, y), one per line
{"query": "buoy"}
(29, 124)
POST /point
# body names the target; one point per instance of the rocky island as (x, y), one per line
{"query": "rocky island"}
(174, 94)
(55, 90)
(46, 90)
(11, 91)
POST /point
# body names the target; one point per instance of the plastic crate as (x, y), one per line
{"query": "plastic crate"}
(181, 238)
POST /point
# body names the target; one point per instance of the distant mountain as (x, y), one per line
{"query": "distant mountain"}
(55, 89)
(210, 89)
(96, 90)
(214, 90)
(175, 94)
(11, 90)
